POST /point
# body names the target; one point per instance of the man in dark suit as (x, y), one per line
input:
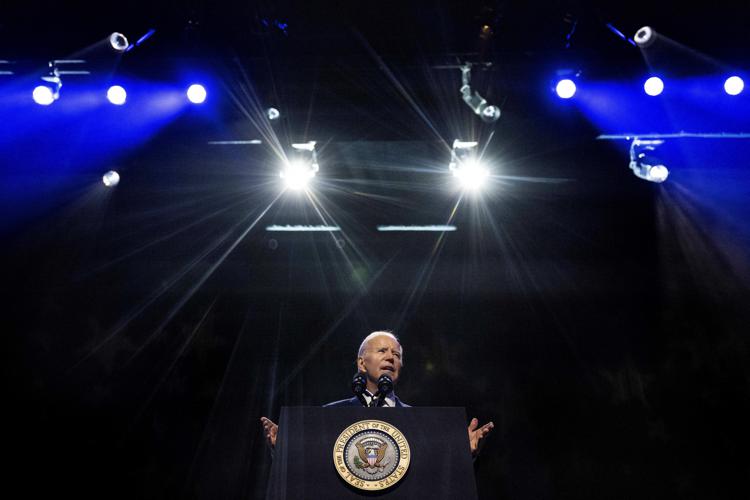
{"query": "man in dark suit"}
(381, 354)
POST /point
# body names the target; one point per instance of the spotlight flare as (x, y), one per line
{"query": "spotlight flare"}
(297, 176)
(565, 88)
(117, 95)
(658, 173)
(196, 93)
(472, 175)
(111, 178)
(734, 85)
(43, 95)
(654, 86)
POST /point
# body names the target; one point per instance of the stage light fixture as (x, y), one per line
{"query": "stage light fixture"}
(470, 172)
(118, 42)
(196, 93)
(43, 95)
(565, 88)
(734, 85)
(111, 178)
(117, 95)
(272, 114)
(645, 37)
(49, 91)
(298, 172)
(644, 164)
(489, 113)
(653, 86)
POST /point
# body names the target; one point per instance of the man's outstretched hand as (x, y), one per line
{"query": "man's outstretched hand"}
(270, 430)
(475, 435)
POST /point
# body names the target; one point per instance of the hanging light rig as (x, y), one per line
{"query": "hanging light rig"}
(489, 113)
(644, 164)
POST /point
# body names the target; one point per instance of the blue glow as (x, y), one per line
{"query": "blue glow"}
(50, 153)
(654, 86)
(117, 95)
(734, 85)
(692, 105)
(565, 88)
(43, 95)
(196, 93)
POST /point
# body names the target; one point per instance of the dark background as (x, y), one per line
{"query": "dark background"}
(599, 320)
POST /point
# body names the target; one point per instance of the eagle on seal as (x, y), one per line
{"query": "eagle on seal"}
(371, 451)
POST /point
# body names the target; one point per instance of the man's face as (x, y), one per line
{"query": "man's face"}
(382, 356)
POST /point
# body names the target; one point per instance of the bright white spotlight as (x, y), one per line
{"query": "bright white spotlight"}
(111, 178)
(297, 175)
(196, 93)
(734, 85)
(471, 175)
(465, 166)
(658, 173)
(43, 95)
(645, 37)
(565, 88)
(117, 95)
(654, 86)
(118, 42)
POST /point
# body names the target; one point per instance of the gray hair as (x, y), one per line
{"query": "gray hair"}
(386, 333)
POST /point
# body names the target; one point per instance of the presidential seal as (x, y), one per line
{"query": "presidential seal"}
(371, 455)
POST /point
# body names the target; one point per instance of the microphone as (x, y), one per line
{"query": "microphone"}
(359, 383)
(385, 385)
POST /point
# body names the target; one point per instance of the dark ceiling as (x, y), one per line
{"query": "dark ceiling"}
(394, 28)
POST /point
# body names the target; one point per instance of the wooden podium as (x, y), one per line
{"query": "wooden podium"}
(440, 465)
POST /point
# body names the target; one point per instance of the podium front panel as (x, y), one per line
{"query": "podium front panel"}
(440, 465)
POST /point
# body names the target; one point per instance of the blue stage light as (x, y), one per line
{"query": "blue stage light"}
(117, 95)
(565, 88)
(734, 85)
(654, 86)
(196, 93)
(43, 95)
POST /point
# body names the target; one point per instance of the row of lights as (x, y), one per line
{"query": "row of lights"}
(116, 94)
(566, 88)
(467, 168)
(196, 93)
(470, 172)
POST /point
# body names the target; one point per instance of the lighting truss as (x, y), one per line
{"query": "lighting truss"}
(465, 165)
